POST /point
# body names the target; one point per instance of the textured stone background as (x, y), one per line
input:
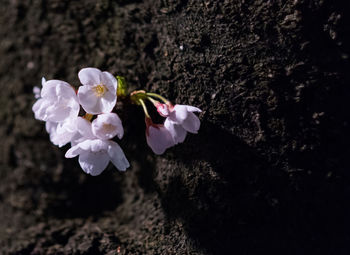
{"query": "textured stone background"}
(268, 171)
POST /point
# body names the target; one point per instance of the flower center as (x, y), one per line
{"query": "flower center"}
(108, 128)
(100, 90)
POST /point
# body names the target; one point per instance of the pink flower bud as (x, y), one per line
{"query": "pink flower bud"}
(158, 137)
(163, 109)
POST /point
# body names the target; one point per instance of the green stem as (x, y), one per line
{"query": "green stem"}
(144, 108)
(158, 96)
(154, 102)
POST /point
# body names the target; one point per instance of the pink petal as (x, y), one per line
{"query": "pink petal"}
(163, 109)
(177, 132)
(159, 139)
(180, 112)
(192, 123)
(192, 109)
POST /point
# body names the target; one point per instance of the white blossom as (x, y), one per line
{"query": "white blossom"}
(58, 102)
(107, 125)
(99, 91)
(95, 154)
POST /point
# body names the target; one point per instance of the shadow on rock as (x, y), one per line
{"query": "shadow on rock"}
(81, 195)
(247, 206)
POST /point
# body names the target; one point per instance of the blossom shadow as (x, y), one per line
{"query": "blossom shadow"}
(80, 195)
(246, 204)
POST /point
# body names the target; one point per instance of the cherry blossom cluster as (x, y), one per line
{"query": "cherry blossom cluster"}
(179, 120)
(91, 132)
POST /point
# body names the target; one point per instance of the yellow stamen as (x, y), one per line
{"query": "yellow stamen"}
(100, 90)
(88, 116)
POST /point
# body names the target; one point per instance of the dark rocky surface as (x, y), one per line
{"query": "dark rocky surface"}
(268, 172)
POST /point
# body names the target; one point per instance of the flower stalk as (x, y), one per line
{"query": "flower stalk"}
(144, 108)
(158, 96)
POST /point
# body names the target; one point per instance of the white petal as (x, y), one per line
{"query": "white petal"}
(70, 125)
(88, 100)
(65, 132)
(73, 152)
(57, 113)
(43, 80)
(90, 76)
(74, 107)
(192, 123)
(177, 132)
(76, 139)
(51, 87)
(86, 145)
(110, 81)
(62, 140)
(99, 145)
(117, 156)
(37, 104)
(159, 139)
(58, 102)
(55, 139)
(38, 109)
(65, 91)
(94, 162)
(44, 110)
(84, 128)
(51, 126)
(107, 102)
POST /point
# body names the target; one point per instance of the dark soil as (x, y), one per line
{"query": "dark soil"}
(268, 172)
